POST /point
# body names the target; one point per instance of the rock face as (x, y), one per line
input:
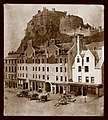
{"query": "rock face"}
(46, 25)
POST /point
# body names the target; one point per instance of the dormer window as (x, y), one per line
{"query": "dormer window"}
(78, 60)
(33, 54)
(87, 59)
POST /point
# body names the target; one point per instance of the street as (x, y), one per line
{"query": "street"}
(14, 106)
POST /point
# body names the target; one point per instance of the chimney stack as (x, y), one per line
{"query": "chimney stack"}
(78, 49)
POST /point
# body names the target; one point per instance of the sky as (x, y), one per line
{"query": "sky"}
(16, 17)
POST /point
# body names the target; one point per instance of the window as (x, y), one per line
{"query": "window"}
(60, 60)
(23, 74)
(56, 52)
(15, 69)
(39, 76)
(6, 68)
(78, 60)
(56, 69)
(33, 75)
(36, 68)
(26, 75)
(26, 67)
(15, 61)
(87, 59)
(43, 76)
(79, 68)
(23, 67)
(12, 61)
(35, 60)
(86, 69)
(65, 78)
(47, 77)
(33, 68)
(9, 68)
(33, 54)
(20, 67)
(60, 69)
(79, 79)
(39, 68)
(42, 60)
(61, 78)
(87, 79)
(43, 68)
(9, 61)
(56, 60)
(65, 69)
(47, 69)
(36, 75)
(6, 61)
(56, 78)
(26, 60)
(92, 79)
(65, 60)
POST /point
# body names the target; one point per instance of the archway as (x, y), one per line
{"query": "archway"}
(47, 87)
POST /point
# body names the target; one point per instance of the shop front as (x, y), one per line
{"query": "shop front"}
(91, 88)
(59, 88)
(35, 85)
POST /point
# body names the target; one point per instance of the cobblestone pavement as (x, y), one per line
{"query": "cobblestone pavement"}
(14, 106)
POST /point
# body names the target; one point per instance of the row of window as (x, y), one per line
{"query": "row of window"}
(86, 78)
(22, 68)
(10, 76)
(22, 75)
(39, 68)
(43, 60)
(10, 61)
(87, 59)
(86, 68)
(10, 68)
(43, 76)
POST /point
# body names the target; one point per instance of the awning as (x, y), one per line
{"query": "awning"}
(82, 84)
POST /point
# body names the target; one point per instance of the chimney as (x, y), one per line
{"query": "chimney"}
(79, 43)
(78, 50)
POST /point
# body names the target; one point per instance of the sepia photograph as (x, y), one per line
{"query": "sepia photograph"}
(53, 60)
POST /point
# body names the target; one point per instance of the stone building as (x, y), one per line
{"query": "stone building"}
(10, 69)
(87, 69)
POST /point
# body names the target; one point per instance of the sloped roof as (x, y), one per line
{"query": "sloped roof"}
(95, 54)
(64, 46)
(14, 56)
(100, 63)
(95, 45)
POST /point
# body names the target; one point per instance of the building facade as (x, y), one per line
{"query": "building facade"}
(10, 70)
(87, 69)
(57, 66)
